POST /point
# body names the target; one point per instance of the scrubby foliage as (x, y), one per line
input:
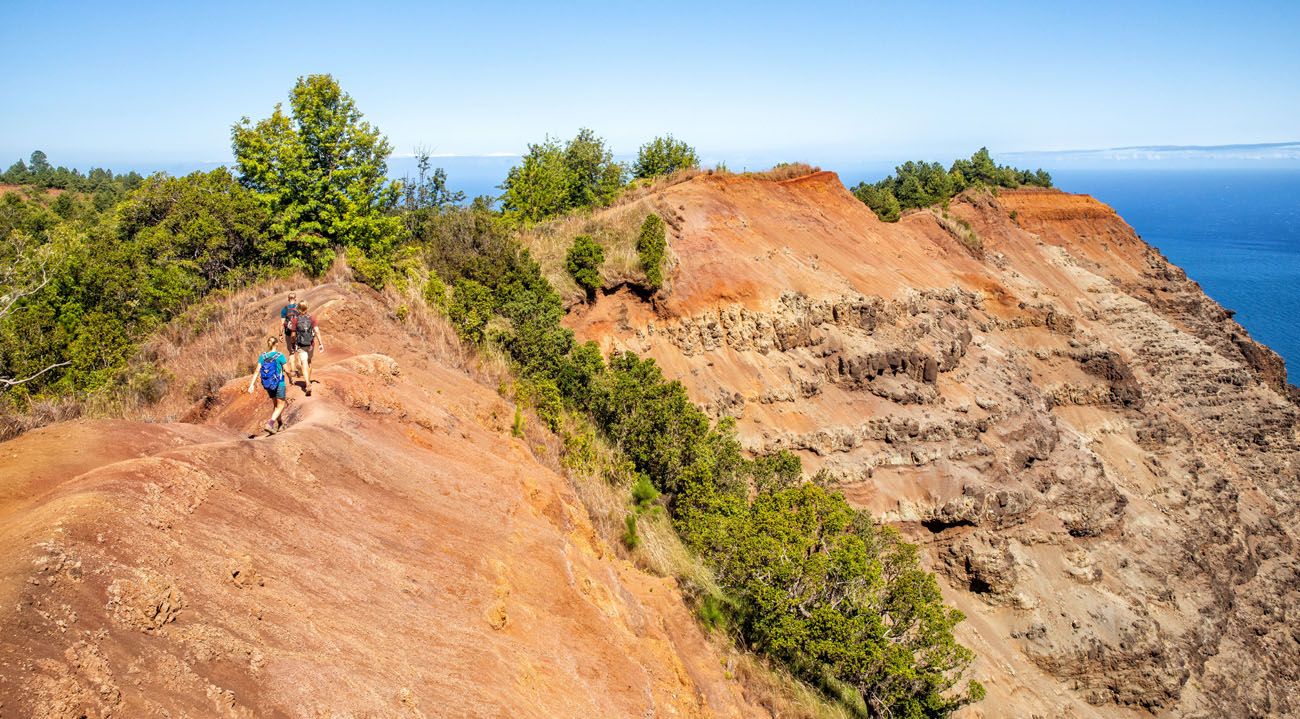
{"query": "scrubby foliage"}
(662, 156)
(583, 262)
(809, 581)
(556, 178)
(651, 245)
(321, 171)
(921, 184)
(115, 276)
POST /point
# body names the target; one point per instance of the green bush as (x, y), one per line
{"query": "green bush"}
(375, 272)
(643, 492)
(662, 156)
(472, 306)
(583, 261)
(631, 539)
(651, 246)
(435, 292)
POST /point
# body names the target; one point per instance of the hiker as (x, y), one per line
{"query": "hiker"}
(270, 369)
(288, 314)
(306, 338)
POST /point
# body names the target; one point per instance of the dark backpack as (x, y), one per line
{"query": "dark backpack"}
(290, 317)
(303, 329)
(269, 369)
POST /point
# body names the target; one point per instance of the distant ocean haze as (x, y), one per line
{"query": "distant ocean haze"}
(1235, 232)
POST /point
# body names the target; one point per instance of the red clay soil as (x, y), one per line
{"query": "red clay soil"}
(394, 552)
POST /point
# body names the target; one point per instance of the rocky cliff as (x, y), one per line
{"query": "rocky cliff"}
(394, 552)
(1099, 462)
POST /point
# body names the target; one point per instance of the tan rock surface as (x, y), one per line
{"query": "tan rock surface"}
(1099, 462)
(394, 552)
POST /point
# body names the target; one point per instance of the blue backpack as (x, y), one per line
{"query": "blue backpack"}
(270, 371)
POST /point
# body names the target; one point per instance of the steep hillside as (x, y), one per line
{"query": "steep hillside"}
(1099, 461)
(394, 552)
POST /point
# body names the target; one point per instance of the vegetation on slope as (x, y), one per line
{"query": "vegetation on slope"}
(922, 184)
(802, 577)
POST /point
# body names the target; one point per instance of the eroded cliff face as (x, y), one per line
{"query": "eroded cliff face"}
(394, 552)
(1099, 462)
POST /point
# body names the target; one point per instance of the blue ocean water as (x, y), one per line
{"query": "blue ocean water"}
(1236, 232)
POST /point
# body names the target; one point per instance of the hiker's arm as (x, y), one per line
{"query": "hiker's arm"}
(252, 381)
(320, 342)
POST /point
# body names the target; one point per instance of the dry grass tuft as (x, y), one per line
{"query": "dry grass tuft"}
(785, 171)
(16, 420)
(960, 230)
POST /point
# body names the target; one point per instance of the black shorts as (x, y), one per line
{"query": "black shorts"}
(288, 340)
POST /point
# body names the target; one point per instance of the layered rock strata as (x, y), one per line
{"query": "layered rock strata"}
(1100, 463)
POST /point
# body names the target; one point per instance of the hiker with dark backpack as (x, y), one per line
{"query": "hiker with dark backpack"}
(288, 317)
(306, 338)
(270, 373)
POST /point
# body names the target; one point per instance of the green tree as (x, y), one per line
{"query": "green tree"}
(321, 170)
(583, 261)
(881, 200)
(664, 155)
(538, 187)
(651, 246)
(594, 178)
(39, 163)
(554, 179)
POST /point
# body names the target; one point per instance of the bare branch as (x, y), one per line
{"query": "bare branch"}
(12, 299)
(6, 383)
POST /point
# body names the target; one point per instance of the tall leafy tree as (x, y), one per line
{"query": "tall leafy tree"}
(553, 179)
(663, 155)
(322, 171)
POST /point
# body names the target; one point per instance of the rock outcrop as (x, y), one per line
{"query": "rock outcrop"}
(1099, 462)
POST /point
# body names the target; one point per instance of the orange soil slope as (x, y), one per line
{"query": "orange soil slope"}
(394, 552)
(1103, 467)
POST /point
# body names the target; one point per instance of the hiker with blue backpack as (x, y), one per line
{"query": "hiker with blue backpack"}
(270, 370)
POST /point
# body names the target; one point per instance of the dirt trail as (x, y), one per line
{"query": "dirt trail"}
(394, 552)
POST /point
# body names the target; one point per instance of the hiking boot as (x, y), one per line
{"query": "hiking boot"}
(270, 427)
(308, 390)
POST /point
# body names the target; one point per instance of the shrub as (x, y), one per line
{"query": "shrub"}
(881, 200)
(662, 156)
(651, 245)
(583, 262)
(368, 270)
(631, 539)
(644, 492)
(435, 292)
(472, 305)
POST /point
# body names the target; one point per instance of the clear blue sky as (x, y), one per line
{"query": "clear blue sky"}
(156, 83)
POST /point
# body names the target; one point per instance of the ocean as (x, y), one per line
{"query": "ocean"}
(1236, 232)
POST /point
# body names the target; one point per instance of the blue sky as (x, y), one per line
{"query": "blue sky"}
(152, 84)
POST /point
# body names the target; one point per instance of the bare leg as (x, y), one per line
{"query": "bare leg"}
(305, 363)
(279, 407)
